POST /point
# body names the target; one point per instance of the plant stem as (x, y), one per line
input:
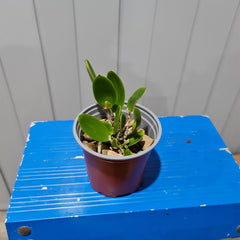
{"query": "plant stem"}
(128, 116)
(99, 147)
(110, 116)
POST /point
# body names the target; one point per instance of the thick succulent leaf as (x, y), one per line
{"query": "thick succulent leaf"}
(123, 120)
(127, 152)
(134, 98)
(108, 126)
(94, 128)
(136, 117)
(114, 107)
(135, 137)
(117, 119)
(90, 70)
(118, 85)
(103, 91)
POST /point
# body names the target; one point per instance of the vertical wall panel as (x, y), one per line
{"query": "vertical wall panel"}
(56, 24)
(11, 139)
(97, 39)
(22, 59)
(209, 37)
(136, 23)
(231, 133)
(4, 196)
(227, 82)
(172, 30)
(187, 53)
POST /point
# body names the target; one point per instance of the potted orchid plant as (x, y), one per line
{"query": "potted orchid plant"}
(116, 136)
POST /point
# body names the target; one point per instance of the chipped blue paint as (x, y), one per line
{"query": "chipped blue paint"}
(190, 190)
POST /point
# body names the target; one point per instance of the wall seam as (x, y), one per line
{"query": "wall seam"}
(118, 37)
(12, 100)
(185, 59)
(5, 182)
(17, 118)
(221, 59)
(44, 61)
(150, 48)
(77, 52)
(238, 93)
(230, 112)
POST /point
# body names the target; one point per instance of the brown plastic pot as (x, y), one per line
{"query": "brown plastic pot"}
(118, 176)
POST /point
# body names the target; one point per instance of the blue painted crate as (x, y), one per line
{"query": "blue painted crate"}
(190, 190)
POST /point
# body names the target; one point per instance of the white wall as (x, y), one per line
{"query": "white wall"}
(186, 53)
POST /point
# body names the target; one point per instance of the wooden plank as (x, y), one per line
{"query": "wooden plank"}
(56, 24)
(3, 232)
(4, 196)
(208, 41)
(136, 23)
(237, 159)
(231, 132)
(22, 59)
(171, 34)
(11, 139)
(227, 82)
(97, 40)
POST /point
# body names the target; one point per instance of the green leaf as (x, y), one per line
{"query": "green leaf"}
(114, 143)
(135, 137)
(136, 117)
(118, 85)
(108, 126)
(123, 120)
(103, 91)
(116, 119)
(134, 98)
(94, 128)
(90, 70)
(127, 152)
(114, 107)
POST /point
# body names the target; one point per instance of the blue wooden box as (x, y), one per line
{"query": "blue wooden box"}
(190, 190)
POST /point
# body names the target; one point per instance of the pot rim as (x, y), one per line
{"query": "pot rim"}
(102, 156)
